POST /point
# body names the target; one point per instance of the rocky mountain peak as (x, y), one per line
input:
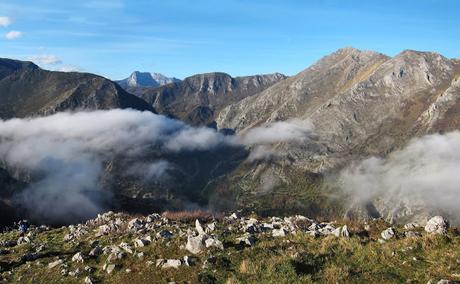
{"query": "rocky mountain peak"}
(146, 79)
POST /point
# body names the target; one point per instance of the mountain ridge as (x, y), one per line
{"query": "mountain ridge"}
(198, 98)
(26, 90)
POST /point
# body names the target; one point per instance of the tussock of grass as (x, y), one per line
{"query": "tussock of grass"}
(188, 216)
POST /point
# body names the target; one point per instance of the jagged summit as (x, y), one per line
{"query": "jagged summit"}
(146, 79)
(198, 98)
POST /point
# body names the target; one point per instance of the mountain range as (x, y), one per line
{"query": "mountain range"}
(361, 103)
(27, 90)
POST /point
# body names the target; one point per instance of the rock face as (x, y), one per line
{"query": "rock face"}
(199, 98)
(27, 90)
(361, 103)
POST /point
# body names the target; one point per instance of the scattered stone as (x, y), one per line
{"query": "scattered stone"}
(210, 227)
(195, 244)
(341, 232)
(188, 260)
(8, 243)
(233, 216)
(165, 234)
(110, 268)
(278, 233)
(116, 256)
(23, 240)
(88, 280)
(212, 242)
(56, 263)
(388, 234)
(411, 234)
(159, 262)
(411, 226)
(78, 257)
(126, 247)
(135, 224)
(437, 225)
(153, 217)
(445, 281)
(142, 242)
(74, 273)
(247, 239)
(171, 263)
(96, 251)
(199, 228)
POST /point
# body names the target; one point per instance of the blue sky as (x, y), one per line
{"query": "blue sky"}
(241, 37)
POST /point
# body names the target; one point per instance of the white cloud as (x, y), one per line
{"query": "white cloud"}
(13, 35)
(424, 174)
(70, 68)
(280, 131)
(64, 153)
(5, 21)
(45, 59)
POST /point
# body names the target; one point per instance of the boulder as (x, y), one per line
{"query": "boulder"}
(199, 228)
(171, 263)
(279, 233)
(195, 244)
(126, 247)
(141, 242)
(437, 225)
(341, 232)
(56, 263)
(211, 242)
(210, 227)
(78, 257)
(188, 260)
(95, 251)
(388, 234)
(135, 224)
(23, 240)
(110, 268)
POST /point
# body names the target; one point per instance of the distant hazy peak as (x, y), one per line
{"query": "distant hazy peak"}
(146, 79)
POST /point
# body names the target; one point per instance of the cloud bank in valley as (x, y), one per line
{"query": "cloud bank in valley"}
(64, 153)
(426, 170)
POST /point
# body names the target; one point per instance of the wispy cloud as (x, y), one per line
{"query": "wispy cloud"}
(115, 4)
(69, 68)
(5, 21)
(13, 35)
(45, 59)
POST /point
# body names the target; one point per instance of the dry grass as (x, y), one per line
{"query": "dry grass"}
(189, 216)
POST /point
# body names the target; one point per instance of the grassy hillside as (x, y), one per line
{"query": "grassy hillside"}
(297, 257)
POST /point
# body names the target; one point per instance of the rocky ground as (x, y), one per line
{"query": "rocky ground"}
(199, 248)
